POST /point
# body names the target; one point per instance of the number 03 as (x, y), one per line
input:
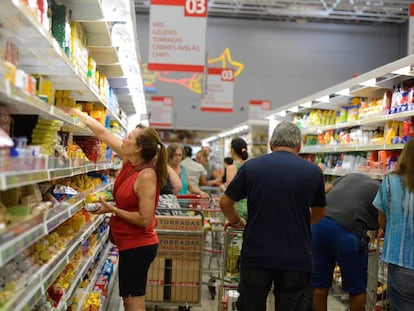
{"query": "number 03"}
(227, 75)
(196, 7)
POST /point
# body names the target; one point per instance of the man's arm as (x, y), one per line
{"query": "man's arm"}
(328, 187)
(317, 213)
(382, 220)
(230, 212)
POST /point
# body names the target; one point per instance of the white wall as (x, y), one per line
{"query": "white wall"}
(283, 62)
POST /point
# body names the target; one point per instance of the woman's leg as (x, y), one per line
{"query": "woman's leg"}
(136, 303)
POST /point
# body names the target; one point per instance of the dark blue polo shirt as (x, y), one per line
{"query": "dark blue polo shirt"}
(280, 187)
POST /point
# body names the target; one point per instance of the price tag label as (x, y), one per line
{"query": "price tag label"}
(56, 220)
(26, 178)
(19, 244)
(60, 173)
(78, 170)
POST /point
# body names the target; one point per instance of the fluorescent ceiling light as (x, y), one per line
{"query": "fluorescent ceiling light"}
(127, 55)
(281, 113)
(139, 104)
(121, 35)
(344, 92)
(135, 82)
(323, 99)
(209, 139)
(370, 82)
(236, 130)
(306, 104)
(131, 70)
(402, 71)
(115, 10)
(293, 109)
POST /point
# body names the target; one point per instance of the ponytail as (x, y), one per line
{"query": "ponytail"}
(161, 164)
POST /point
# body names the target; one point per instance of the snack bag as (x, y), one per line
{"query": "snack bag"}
(96, 196)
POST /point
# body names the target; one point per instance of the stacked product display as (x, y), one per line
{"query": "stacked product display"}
(54, 255)
(360, 125)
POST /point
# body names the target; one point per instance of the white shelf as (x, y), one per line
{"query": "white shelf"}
(381, 78)
(27, 297)
(371, 85)
(40, 53)
(26, 176)
(16, 239)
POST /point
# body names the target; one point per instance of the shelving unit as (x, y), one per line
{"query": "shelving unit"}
(41, 279)
(370, 85)
(253, 131)
(12, 244)
(41, 54)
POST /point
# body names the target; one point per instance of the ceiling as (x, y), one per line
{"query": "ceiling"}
(332, 11)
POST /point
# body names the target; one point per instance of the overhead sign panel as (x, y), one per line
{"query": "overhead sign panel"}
(219, 95)
(160, 108)
(259, 108)
(177, 39)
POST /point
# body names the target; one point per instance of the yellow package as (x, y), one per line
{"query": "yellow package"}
(96, 196)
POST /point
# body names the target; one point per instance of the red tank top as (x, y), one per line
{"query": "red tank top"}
(125, 234)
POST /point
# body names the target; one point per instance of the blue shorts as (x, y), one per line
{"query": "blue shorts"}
(332, 243)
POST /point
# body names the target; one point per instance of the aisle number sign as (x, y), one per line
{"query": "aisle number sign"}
(177, 39)
(219, 95)
(257, 108)
(160, 108)
(411, 30)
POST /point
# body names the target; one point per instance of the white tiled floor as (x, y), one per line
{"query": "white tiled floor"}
(208, 304)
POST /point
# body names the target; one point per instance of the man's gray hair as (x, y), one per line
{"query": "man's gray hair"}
(286, 134)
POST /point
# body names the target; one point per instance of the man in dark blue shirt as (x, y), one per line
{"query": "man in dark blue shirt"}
(285, 194)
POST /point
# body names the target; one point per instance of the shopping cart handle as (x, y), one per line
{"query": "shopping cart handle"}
(188, 196)
(228, 225)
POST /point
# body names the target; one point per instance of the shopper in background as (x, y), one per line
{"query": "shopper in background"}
(175, 155)
(394, 202)
(341, 237)
(226, 163)
(280, 188)
(206, 158)
(195, 171)
(238, 152)
(136, 192)
(168, 203)
(174, 184)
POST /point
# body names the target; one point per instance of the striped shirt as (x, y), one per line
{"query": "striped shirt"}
(397, 202)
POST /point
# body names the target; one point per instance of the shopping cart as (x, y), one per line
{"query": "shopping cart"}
(228, 292)
(213, 230)
(174, 278)
(231, 269)
(377, 294)
(211, 190)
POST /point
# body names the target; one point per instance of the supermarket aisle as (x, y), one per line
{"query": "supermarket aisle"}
(214, 267)
(207, 304)
(115, 302)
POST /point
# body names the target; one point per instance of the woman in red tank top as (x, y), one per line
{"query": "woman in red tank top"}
(136, 192)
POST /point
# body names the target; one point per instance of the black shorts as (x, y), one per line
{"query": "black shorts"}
(133, 268)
